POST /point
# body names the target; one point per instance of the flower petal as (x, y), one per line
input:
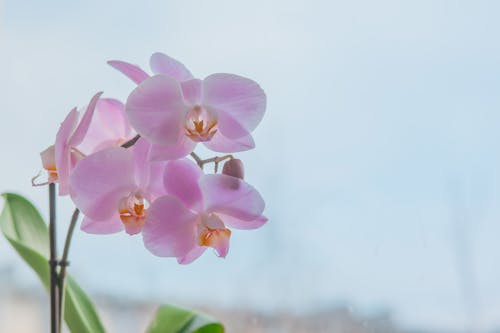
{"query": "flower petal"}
(142, 164)
(217, 238)
(111, 115)
(229, 126)
(156, 109)
(192, 255)
(181, 180)
(49, 164)
(101, 180)
(63, 152)
(191, 90)
(155, 188)
(222, 144)
(148, 174)
(109, 127)
(162, 64)
(240, 103)
(237, 223)
(108, 226)
(231, 196)
(133, 72)
(83, 126)
(221, 242)
(180, 149)
(169, 230)
(49, 158)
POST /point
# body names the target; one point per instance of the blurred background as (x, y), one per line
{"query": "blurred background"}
(378, 157)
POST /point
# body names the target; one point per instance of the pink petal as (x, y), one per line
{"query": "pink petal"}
(142, 164)
(109, 127)
(192, 255)
(191, 90)
(63, 151)
(169, 230)
(218, 238)
(240, 103)
(111, 115)
(231, 196)
(133, 72)
(237, 223)
(107, 226)
(155, 188)
(49, 158)
(221, 245)
(222, 144)
(183, 147)
(49, 164)
(229, 126)
(181, 180)
(148, 175)
(162, 64)
(101, 180)
(156, 109)
(83, 126)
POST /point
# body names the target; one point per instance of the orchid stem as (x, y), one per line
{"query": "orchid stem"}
(131, 142)
(64, 262)
(197, 159)
(216, 160)
(54, 304)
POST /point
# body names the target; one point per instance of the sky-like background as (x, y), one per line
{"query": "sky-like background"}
(379, 155)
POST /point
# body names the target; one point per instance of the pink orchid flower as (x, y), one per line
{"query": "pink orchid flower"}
(102, 125)
(176, 111)
(196, 212)
(114, 187)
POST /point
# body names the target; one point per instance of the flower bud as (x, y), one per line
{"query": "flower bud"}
(234, 168)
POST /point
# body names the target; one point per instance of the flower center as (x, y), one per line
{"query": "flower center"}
(133, 211)
(49, 162)
(200, 124)
(213, 233)
(52, 173)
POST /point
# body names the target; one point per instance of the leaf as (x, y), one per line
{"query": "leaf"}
(173, 319)
(26, 231)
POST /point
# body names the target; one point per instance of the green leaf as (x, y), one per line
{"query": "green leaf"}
(173, 319)
(26, 231)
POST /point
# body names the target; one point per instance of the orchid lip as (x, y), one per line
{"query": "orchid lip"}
(213, 233)
(133, 212)
(52, 171)
(200, 124)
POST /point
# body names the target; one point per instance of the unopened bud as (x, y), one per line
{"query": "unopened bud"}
(234, 168)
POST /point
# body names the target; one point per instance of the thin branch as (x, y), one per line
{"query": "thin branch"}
(197, 159)
(131, 142)
(64, 262)
(216, 160)
(54, 306)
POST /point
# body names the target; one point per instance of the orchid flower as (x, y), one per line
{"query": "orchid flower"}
(80, 136)
(113, 188)
(196, 212)
(176, 111)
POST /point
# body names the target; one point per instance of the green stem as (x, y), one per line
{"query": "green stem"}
(64, 262)
(54, 281)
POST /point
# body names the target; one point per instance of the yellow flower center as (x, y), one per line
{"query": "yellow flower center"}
(213, 233)
(133, 211)
(200, 124)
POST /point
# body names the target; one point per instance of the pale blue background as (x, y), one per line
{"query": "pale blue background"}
(379, 155)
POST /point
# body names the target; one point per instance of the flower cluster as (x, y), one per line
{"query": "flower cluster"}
(125, 166)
